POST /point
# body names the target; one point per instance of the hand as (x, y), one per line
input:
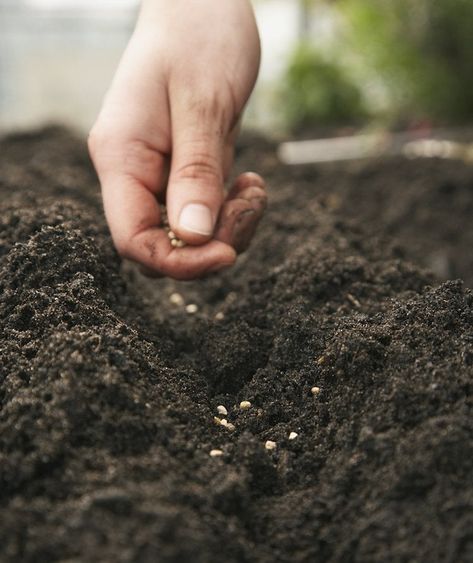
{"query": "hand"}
(166, 133)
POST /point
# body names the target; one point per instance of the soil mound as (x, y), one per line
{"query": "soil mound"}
(109, 389)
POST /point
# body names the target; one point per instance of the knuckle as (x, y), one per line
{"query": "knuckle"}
(201, 166)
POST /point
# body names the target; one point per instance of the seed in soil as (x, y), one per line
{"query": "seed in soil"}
(270, 445)
(216, 453)
(315, 391)
(222, 410)
(245, 405)
(176, 299)
(219, 316)
(293, 435)
(321, 360)
(192, 309)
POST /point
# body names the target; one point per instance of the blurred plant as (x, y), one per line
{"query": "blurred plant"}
(420, 50)
(318, 92)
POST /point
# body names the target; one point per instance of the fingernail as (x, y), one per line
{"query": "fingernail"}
(196, 218)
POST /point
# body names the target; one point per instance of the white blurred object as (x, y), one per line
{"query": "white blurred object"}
(435, 144)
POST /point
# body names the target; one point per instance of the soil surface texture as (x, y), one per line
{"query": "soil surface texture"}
(331, 326)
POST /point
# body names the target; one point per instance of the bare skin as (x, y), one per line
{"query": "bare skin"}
(166, 133)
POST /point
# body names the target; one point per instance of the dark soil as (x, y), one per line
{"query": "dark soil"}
(108, 390)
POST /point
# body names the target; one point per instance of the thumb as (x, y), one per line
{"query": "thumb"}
(195, 191)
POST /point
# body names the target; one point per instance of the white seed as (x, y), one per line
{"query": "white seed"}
(315, 390)
(172, 235)
(245, 405)
(176, 299)
(216, 453)
(174, 243)
(180, 243)
(293, 435)
(270, 445)
(192, 309)
(219, 316)
(222, 410)
(224, 422)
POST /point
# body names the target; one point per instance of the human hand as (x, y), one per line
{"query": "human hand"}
(166, 133)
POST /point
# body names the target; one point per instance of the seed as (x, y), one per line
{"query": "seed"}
(245, 405)
(172, 235)
(321, 360)
(219, 316)
(192, 309)
(174, 243)
(270, 445)
(176, 299)
(217, 420)
(315, 390)
(222, 410)
(179, 243)
(353, 300)
(293, 435)
(224, 422)
(216, 453)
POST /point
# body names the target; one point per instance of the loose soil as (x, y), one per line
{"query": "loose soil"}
(108, 390)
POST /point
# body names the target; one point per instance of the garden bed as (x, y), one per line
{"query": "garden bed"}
(109, 385)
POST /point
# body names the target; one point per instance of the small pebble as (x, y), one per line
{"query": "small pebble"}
(176, 299)
(315, 390)
(192, 309)
(216, 453)
(270, 445)
(230, 427)
(222, 410)
(219, 316)
(321, 360)
(224, 422)
(293, 435)
(172, 235)
(245, 405)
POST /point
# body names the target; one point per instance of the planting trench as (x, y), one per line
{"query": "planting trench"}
(109, 386)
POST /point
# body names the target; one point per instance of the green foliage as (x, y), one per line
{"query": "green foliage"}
(317, 92)
(421, 50)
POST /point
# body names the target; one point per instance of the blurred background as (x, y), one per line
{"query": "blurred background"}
(327, 64)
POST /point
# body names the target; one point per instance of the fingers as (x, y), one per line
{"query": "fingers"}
(129, 173)
(242, 212)
(195, 191)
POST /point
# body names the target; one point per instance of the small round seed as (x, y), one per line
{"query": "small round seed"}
(176, 299)
(192, 309)
(219, 316)
(315, 390)
(293, 435)
(222, 410)
(216, 453)
(172, 235)
(245, 405)
(270, 445)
